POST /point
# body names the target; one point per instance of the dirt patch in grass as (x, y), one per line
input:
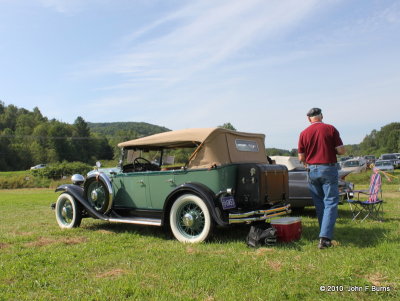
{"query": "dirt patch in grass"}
(274, 265)
(377, 279)
(19, 233)
(4, 245)
(45, 241)
(112, 273)
(74, 240)
(263, 251)
(42, 241)
(193, 250)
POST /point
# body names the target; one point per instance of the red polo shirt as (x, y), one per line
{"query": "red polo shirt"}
(318, 143)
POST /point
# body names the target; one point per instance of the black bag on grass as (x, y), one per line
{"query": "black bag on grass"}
(262, 234)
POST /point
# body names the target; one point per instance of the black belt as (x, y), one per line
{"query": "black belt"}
(327, 164)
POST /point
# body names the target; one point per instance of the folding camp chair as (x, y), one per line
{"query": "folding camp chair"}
(373, 206)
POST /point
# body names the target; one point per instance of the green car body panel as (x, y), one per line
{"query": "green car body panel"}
(149, 190)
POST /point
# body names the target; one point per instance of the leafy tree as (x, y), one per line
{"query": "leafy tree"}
(80, 144)
(228, 126)
(59, 134)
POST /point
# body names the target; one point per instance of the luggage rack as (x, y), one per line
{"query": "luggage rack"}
(258, 215)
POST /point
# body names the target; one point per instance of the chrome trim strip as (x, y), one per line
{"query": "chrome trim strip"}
(137, 221)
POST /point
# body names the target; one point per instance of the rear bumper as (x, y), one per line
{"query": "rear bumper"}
(257, 215)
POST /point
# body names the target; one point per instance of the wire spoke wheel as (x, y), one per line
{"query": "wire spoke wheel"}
(97, 195)
(190, 219)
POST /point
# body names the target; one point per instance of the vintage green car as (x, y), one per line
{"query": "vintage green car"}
(226, 179)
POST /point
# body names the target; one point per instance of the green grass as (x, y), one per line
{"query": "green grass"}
(364, 177)
(104, 261)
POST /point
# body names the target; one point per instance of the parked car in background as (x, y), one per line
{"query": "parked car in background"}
(370, 159)
(354, 165)
(299, 193)
(342, 159)
(227, 179)
(391, 157)
(39, 166)
(384, 165)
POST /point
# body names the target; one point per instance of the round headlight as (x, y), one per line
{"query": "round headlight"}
(77, 179)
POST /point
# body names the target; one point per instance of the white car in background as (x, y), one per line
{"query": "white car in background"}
(39, 166)
(356, 165)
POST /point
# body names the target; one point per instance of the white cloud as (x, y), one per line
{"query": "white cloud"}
(200, 36)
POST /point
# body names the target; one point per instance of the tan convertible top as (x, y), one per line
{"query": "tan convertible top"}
(214, 145)
(171, 139)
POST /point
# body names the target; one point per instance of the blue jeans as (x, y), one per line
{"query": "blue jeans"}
(323, 184)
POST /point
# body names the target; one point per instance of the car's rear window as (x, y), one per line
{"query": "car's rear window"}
(246, 145)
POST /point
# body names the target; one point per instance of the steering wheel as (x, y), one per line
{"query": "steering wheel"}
(140, 166)
(136, 161)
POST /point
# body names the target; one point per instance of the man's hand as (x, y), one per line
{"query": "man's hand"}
(302, 159)
(340, 150)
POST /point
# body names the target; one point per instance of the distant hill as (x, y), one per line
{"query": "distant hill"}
(112, 128)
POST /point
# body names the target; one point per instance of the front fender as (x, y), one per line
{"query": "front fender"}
(196, 188)
(77, 193)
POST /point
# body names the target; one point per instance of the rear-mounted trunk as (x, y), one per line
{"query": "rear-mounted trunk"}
(258, 185)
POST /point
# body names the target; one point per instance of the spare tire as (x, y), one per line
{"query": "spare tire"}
(98, 194)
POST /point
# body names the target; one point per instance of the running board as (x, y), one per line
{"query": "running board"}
(136, 221)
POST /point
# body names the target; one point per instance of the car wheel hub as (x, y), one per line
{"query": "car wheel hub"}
(66, 212)
(94, 195)
(188, 220)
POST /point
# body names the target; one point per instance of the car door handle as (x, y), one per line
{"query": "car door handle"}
(141, 182)
(170, 181)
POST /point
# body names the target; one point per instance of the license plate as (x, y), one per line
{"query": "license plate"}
(228, 202)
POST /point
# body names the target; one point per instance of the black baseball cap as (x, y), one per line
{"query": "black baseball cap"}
(314, 112)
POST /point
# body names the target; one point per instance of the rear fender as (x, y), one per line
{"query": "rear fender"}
(198, 189)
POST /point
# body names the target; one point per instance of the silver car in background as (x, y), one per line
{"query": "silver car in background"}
(355, 165)
(391, 157)
(299, 193)
(385, 165)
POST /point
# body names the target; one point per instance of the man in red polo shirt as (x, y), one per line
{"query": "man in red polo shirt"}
(318, 146)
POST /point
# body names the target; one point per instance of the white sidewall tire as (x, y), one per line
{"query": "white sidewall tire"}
(74, 207)
(174, 219)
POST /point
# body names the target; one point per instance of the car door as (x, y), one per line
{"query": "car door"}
(130, 191)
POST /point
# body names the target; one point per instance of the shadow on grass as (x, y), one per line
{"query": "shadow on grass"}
(118, 228)
(347, 232)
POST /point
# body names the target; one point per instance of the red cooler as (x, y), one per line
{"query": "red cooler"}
(287, 228)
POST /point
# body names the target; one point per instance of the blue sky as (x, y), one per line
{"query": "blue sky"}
(258, 64)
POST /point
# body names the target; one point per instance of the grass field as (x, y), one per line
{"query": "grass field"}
(104, 261)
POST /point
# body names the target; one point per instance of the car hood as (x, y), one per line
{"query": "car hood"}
(107, 171)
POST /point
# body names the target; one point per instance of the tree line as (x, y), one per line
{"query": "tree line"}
(28, 138)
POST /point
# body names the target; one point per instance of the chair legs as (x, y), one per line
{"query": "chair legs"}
(364, 210)
(373, 211)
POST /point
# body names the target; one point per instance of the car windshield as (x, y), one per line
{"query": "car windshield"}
(389, 157)
(351, 163)
(382, 163)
